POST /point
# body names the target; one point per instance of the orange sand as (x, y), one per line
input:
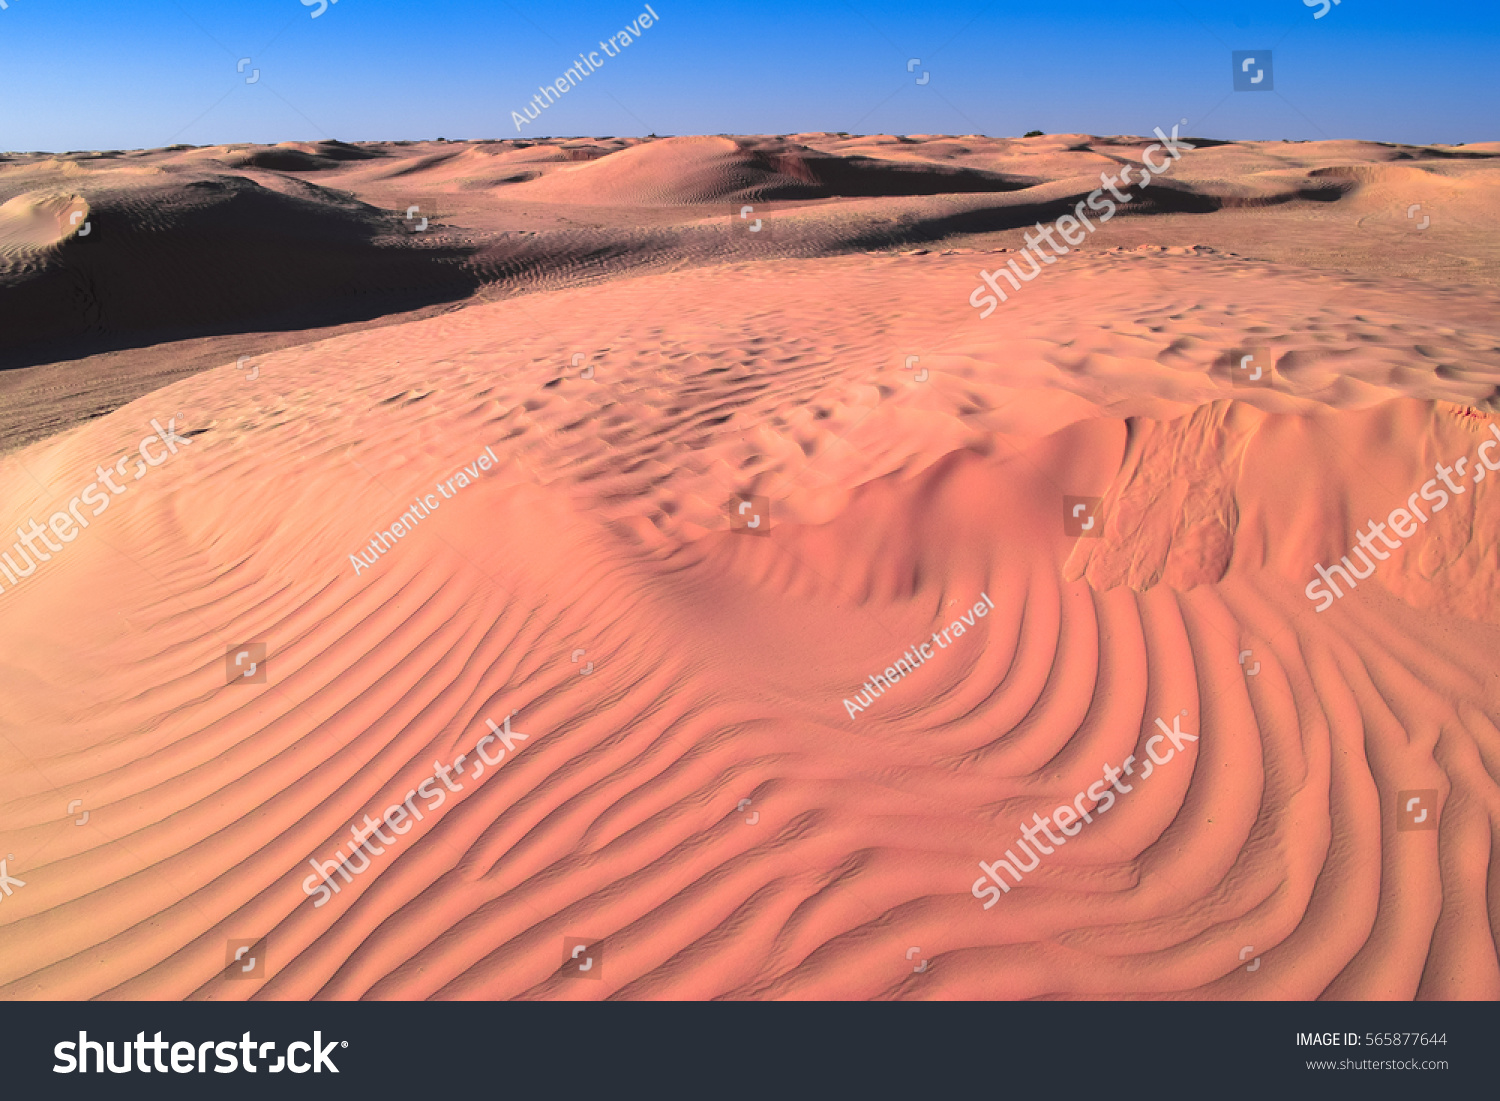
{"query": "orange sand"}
(715, 664)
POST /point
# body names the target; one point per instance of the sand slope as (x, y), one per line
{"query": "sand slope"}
(201, 256)
(714, 663)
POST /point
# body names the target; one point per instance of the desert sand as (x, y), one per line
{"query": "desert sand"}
(693, 800)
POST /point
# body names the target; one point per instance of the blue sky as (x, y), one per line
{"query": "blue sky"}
(102, 74)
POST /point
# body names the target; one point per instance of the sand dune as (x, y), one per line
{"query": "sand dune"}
(692, 799)
(204, 254)
(721, 660)
(249, 248)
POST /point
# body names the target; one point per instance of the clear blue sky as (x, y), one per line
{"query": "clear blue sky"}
(107, 74)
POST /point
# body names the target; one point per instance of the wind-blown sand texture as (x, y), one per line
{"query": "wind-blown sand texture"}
(714, 664)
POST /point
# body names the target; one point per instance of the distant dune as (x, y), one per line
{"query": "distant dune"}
(692, 799)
